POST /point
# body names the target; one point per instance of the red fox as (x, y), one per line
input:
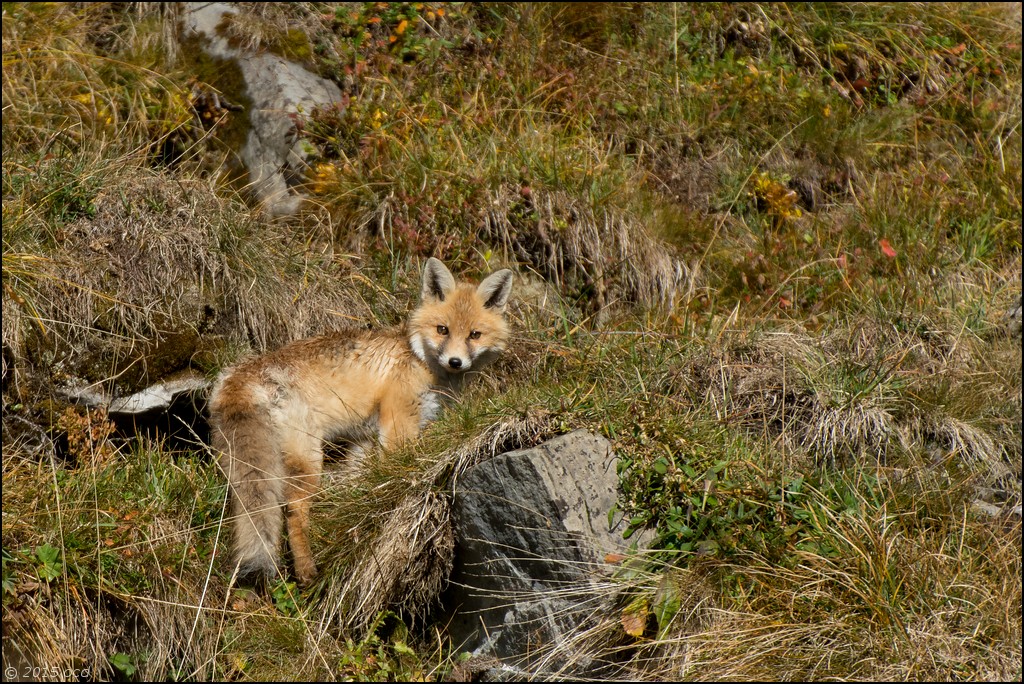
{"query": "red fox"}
(270, 414)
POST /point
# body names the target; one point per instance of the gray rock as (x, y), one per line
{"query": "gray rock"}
(1013, 318)
(279, 91)
(159, 397)
(1010, 512)
(172, 411)
(532, 529)
(78, 391)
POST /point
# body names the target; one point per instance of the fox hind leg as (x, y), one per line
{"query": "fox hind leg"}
(303, 463)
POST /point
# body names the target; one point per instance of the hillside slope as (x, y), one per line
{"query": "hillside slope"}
(771, 251)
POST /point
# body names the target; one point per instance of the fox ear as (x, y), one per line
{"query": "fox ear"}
(438, 281)
(495, 289)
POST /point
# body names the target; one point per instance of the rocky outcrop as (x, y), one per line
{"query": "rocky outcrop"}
(172, 410)
(279, 91)
(532, 532)
(1013, 318)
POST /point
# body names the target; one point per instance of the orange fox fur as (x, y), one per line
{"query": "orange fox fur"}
(271, 414)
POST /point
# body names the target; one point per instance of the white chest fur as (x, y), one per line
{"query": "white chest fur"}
(430, 407)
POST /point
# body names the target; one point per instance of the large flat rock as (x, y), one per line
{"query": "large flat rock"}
(532, 535)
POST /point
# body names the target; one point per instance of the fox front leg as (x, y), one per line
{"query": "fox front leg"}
(399, 421)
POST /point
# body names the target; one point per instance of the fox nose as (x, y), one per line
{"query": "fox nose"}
(455, 362)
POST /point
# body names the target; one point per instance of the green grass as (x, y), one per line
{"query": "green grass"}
(766, 251)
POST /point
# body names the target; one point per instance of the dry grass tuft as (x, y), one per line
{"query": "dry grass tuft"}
(160, 275)
(605, 260)
(860, 395)
(860, 612)
(406, 564)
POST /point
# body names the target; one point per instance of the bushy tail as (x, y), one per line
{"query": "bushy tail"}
(250, 459)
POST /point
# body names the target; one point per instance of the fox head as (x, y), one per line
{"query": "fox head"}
(459, 327)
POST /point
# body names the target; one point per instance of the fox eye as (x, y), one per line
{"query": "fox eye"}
(442, 330)
(475, 335)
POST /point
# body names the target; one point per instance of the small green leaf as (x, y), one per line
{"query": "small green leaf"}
(51, 566)
(47, 554)
(666, 606)
(123, 663)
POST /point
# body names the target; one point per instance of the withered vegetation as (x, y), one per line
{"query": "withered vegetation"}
(771, 251)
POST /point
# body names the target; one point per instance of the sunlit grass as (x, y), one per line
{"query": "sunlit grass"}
(768, 249)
